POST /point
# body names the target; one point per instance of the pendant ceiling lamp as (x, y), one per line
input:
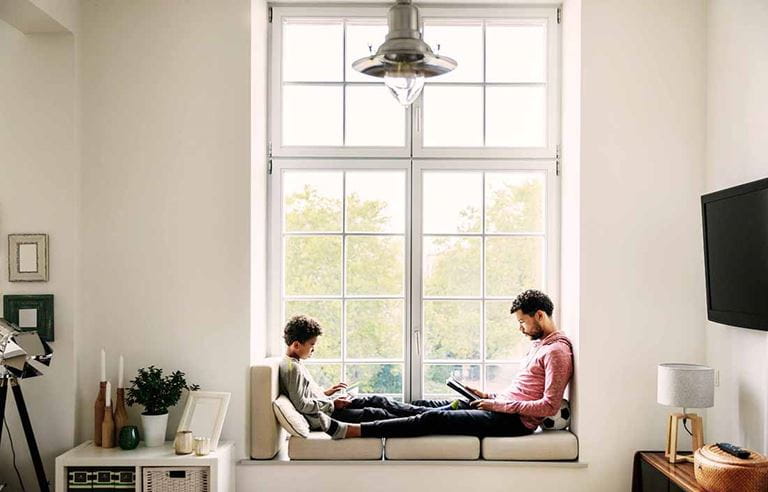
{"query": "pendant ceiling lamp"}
(404, 60)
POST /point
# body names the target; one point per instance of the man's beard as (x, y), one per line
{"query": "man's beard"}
(537, 331)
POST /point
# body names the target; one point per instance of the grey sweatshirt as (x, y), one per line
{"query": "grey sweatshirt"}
(306, 395)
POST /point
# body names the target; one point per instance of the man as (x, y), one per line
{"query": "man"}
(315, 403)
(535, 393)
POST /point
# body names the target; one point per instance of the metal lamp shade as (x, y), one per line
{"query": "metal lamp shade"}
(18, 348)
(686, 385)
(404, 46)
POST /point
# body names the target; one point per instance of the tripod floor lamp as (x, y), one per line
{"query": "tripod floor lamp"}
(685, 386)
(17, 349)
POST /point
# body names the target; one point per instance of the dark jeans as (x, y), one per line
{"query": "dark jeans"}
(480, 423)
(374, 407)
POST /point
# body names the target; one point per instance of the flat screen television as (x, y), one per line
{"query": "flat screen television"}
(735, 222)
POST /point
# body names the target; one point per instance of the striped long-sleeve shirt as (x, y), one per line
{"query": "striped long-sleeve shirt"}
(538, 388)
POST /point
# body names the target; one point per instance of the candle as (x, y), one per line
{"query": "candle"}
(108, 401)
(103, 366)
(120, 370)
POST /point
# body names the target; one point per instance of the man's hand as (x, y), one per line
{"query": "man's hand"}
(477, 392)
(484, 404)
(340, 403)
(333, 389)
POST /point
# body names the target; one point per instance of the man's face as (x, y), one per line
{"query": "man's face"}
(529, 325)
(306, 349)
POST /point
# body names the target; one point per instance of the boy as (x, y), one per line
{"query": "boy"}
(314, 402)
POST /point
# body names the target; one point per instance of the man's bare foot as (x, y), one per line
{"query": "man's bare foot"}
(353, 430)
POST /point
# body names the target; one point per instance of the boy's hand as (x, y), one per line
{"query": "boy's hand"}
(477, 392)
(483, 404)
(340, 403)
(333, 389)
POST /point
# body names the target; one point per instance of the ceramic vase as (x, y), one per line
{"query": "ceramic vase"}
(98, 412)
(129, 437)
(154, 429)
(121, 416)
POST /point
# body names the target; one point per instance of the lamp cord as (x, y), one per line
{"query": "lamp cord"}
(13, 452)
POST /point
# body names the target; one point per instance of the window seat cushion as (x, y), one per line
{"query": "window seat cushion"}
(432, 448)
(539, 446)
(320, 446)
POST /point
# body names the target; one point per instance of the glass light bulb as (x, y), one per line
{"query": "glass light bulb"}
(405, 85)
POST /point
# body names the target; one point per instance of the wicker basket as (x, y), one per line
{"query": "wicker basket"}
(718, 471)
(175, 479)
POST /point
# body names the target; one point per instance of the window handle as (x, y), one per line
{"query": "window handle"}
(417, 336)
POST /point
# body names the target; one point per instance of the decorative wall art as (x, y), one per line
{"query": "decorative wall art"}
(31, 312)
(28, 257)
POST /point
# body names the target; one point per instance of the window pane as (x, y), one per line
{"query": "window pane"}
(516, 53)
(451, 266)
(376, 378)
(453, 116)
(360, 34)
(516, 117)
(453, 202)
(312, 115)
(513, 264)
(460, 40)
(499, 377)
(328, 313)
(374, 117)
(375, 329)
(503, 340)
(452, 329)
(435, 376)
(376, 201)
(325, 375)
(312, 201)
(304, 36)
(514, 202)
(375, 265)
(312, 265)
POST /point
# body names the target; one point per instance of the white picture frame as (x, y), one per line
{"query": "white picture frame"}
(204, 414)
(27, 257)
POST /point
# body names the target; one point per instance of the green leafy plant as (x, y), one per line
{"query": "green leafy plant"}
(157, 392)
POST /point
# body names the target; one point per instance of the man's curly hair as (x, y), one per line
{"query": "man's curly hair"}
(531, 301)
(301, 328)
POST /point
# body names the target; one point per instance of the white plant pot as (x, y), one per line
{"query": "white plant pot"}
(154, 429)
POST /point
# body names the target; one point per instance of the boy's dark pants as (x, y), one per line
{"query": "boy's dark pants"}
(374, 407)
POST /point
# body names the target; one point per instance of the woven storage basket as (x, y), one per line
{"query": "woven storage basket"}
(175, 479)
(718, 471)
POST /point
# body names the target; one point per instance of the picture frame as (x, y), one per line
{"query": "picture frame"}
(27, 257)
(31, 312)
(204, 414)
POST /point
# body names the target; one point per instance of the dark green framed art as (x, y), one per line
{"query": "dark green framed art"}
(43, 304)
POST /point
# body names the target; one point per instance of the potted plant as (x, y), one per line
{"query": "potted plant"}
(156, 393)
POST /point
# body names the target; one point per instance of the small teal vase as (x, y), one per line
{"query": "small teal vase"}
(129, 437)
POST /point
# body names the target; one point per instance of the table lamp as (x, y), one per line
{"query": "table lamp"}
(685, 386)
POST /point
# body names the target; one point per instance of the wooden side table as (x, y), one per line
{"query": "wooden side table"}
(653, 473)
(220, 463)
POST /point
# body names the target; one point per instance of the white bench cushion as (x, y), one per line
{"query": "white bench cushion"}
(432, 448)
(539, 446)
(320, 446)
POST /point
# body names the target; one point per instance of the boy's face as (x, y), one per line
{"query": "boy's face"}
(304, 350)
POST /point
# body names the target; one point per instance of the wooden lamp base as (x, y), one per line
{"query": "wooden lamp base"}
(697, 437)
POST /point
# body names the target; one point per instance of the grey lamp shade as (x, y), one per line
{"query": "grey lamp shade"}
(686, 385)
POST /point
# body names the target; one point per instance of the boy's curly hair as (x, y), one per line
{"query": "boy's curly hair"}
(301, 328)
(531, 301)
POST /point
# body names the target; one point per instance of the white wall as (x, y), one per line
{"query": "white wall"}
(737, 122)
(165, 254)
(38, 194)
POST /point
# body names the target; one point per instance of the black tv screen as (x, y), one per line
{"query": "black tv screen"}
(735, 224)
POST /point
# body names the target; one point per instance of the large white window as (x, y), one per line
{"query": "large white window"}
(407, 232)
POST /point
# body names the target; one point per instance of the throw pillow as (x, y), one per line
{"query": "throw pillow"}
(290, 418)
(560, 420)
